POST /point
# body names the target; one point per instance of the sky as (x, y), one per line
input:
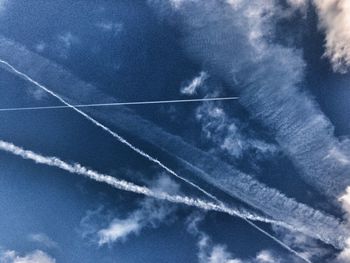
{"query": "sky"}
(263, 178)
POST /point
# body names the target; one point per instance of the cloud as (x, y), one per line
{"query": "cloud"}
(65, 42)
(334, 20)
(151, 212)
(191, 87)
(298, 4)
(37, 256)
(225, 133)
(43, 239)
(344, 255)
(306, 246)
(209, 252)
(117, 230)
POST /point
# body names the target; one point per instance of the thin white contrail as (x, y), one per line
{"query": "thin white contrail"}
(122, 140)
(117, 104)
(131, 187)
(77, 168)
(114, 134)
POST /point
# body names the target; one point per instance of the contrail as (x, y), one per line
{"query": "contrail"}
(115, 135)
(117, 104)
(76, 168)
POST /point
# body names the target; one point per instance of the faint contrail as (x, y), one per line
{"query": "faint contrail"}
(117, 104)
(114, 134)
(131, 187)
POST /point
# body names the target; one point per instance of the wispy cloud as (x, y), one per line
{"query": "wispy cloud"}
(334, 20)
(226, 135)
(42, 239)
(191, 87)
(209, 252)
(65, 42)
(37, 256)
(150, 213)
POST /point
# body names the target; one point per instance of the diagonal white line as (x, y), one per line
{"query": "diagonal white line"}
(117, 104)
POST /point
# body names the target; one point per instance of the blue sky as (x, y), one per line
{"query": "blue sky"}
(279, 156)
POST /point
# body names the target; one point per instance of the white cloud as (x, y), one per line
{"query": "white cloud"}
(118, 230)
(265, 256)
(344, 255)
(43, 239)
(191, 87)
(209, 252)
(298, 4)
(334, 19)
(150, 213)
(65, 42)
(37, 256)
(226, 135)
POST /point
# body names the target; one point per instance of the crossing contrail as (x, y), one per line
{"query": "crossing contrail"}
(117, 104)
(114, 134)
(76, 168)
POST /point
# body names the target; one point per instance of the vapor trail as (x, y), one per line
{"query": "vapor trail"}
(76, 168)
(116, 104)
(97, 123)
